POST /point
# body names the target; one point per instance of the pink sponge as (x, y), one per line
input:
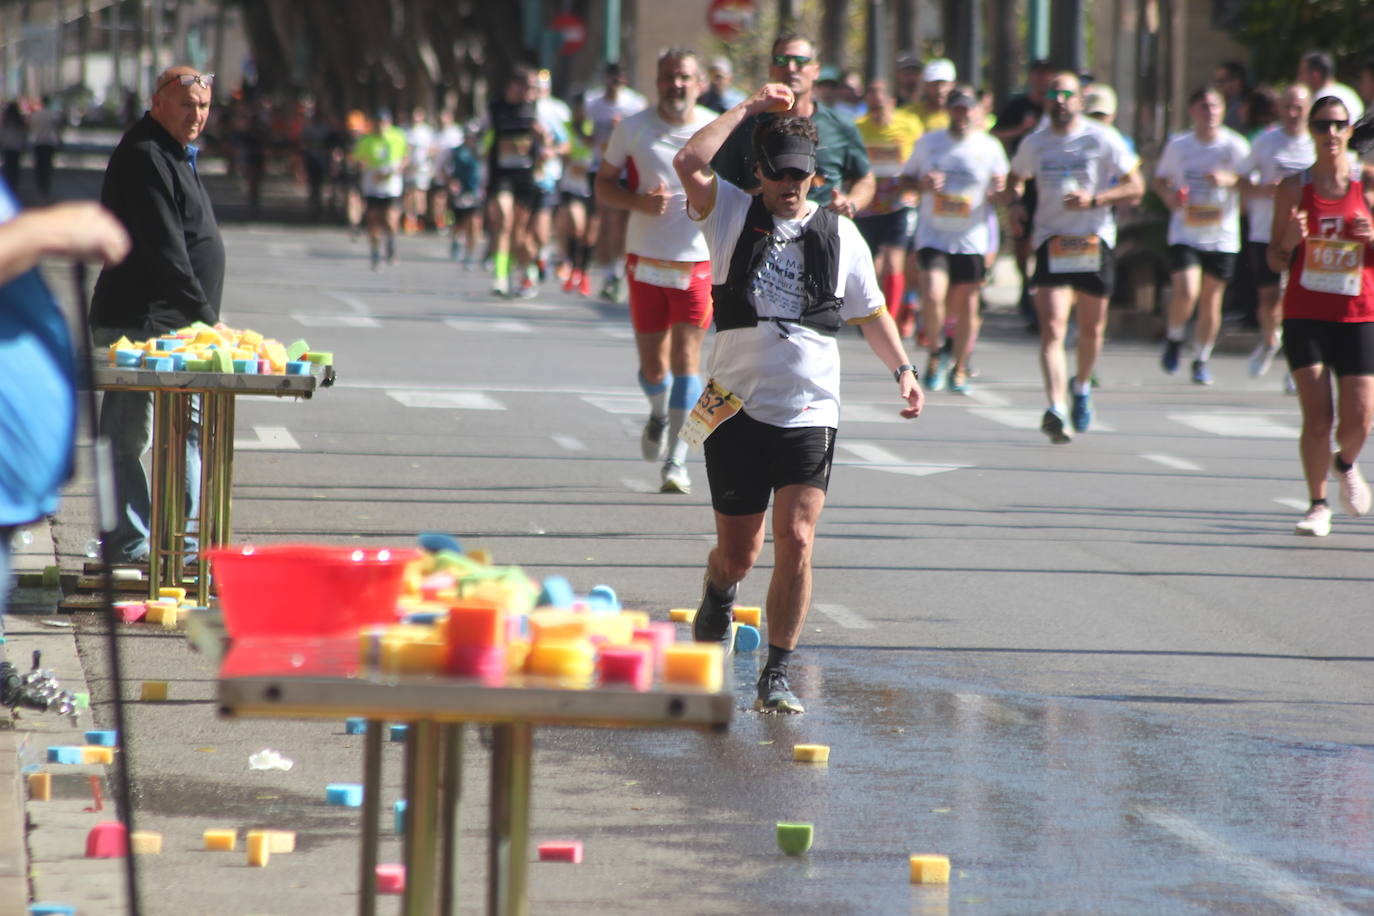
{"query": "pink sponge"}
(391, 879)
(561, 851)
(107, 840)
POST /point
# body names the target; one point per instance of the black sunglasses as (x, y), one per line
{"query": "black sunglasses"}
(782, 60)
(783, 174)
(1324, 125)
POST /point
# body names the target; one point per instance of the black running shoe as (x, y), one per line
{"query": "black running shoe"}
(714, 616)
(775, 695)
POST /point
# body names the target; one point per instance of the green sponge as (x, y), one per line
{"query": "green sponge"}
(794, 839)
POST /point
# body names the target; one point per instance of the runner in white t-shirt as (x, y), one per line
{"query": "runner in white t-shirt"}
(668, 266)
(419, 173)
(768, 416)
(956, 170)
(605, 109)
(1081, 169)
(1196, 178)
(1283, 150)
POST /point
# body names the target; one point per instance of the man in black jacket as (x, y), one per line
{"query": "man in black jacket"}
(173, 276)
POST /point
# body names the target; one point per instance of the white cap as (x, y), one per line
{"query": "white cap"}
(939, 69)
(723, 65)
(1099, 98)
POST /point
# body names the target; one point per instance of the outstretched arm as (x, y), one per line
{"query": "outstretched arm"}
(82, 231)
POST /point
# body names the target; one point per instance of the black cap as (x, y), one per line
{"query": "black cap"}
(960, 99)
(788, 151)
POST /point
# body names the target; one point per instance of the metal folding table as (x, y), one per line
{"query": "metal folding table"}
(173, 396)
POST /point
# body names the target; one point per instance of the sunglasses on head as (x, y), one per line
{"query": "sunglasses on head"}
(189, 79)
(782, 60)
(1324, 125)
(783, 174)
(1060, 94)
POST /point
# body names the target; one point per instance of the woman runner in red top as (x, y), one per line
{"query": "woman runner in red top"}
(1321, 235)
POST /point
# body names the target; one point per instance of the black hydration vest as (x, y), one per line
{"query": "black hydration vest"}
(820, 240)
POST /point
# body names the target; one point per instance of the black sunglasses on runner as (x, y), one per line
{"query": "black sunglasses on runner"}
(1324, 125)
(783, 174)
(190, 79)
(782, 60)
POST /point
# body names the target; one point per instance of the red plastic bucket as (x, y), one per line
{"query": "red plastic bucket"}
(307, 589)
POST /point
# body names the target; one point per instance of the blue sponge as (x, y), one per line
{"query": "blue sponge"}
(603, 598)
(51, 909)
(344, 794)
(59, 754)
(103, 738)
(435, 541)
(399, 813)
(557, 592)
(355, 725)
(398, 732)
(747, 638)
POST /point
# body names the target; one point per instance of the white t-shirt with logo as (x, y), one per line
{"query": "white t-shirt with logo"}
(420, 145)
(644, 146)
(1210, 218)
(955, 218)
(786, 375)
(603, 113)
(1273, 156)
(1088, 158)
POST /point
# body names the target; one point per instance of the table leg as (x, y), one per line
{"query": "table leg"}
(372, 803)
(422, 805)
(451, 737)
(209, 414)
(226, 469)
(509, 831)
(157, 489)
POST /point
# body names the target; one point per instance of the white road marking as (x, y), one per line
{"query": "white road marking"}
(987, 398)
(1169, 461)
(867, 413)
(569, 443)
(351, 301)
(268, 438)
(638, 486)
(451, 400)
(842, 616)
(1301, 505)
(617, 331)
(335, 321)
(533, 388)
(618, 403)
(877, 458)
(1236, 425)
(1291, 892)
(502, 325)
(530, 306)
(1018, 418)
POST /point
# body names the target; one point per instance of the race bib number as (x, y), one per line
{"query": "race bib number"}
(886, 161)
(1202, 216)
(714, 407)
(514, 152)
(1333, 266)
(664, 274)
(951, 212)
(1075, 254)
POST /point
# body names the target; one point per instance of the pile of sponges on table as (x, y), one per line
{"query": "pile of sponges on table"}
(465, 617)
(202, 348)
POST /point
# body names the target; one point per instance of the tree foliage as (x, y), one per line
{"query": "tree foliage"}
(1279, 32)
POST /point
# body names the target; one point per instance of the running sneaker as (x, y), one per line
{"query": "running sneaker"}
(1081, 410)
(610, 291)
(958, 380)
(714, 615)
(571, 281)
(775, 695)
(675, 479)
(1316, 523)
(936, 372)
(1169, 361)
(453, 250)
(584, 288)
(653, 442)
(1052, 425)
(528, 289)
(1355, 496)
(1261, 359)
(1289, 386)
(500, 285)
(1201, 374)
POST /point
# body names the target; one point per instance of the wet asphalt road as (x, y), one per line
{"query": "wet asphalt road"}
(1102, 678)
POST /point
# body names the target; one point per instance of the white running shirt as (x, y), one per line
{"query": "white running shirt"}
(1086, 159)
(787, 375)
(644, 146)
(955, 218)
(1273, 156)
(1210, 219)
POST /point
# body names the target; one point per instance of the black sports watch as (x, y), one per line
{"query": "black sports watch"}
(905, 367)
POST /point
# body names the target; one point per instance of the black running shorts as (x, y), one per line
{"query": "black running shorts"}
(1098, 283)
(1219, 264)
(747, 460)
(1344, 347)
(960, 268)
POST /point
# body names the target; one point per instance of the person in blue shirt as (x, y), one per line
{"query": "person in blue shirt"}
(37, 372)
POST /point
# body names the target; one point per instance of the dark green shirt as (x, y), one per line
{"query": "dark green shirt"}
(840, 155)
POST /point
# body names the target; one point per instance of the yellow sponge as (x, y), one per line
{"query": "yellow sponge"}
(749, 615)
(929, 869)
(682, 614)
(145, 841)
(153, 691)
(694, 664)
(217, 840)
(40, 786)
(811, 753)
(259, 849)
(94, 753)
(278, 841)
(178, 593)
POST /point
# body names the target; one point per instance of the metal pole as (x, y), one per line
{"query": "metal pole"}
(1067, 44)
(612, 31)
(1038, 29)
(372, 806)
